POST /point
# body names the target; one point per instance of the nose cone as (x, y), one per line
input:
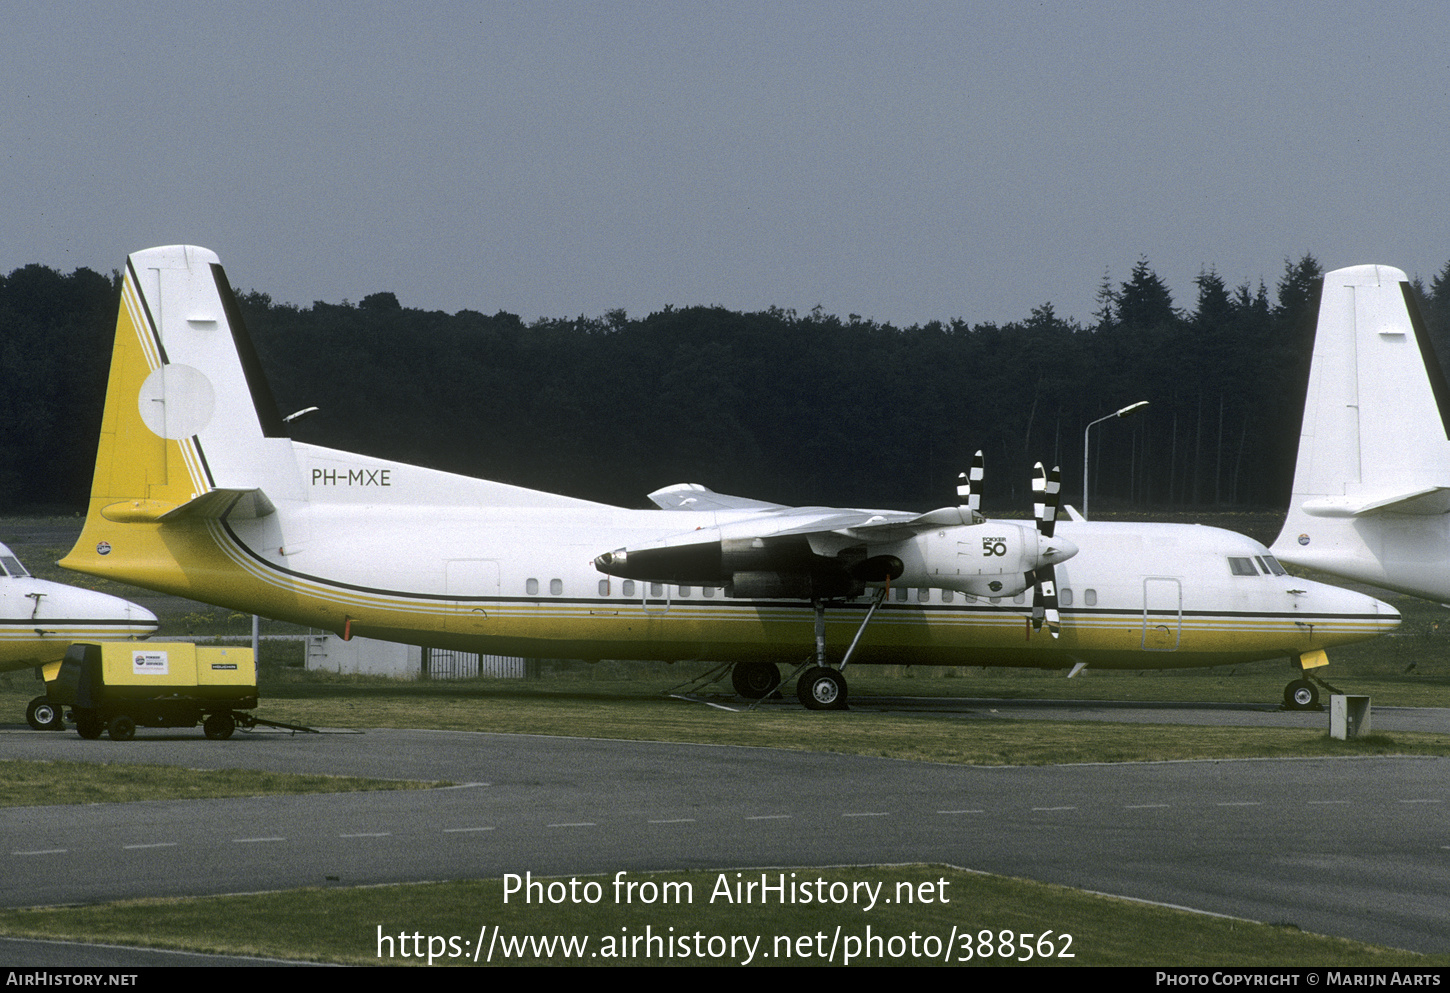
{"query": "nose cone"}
(142, 621)
(1051, 551)
(1337, 616)
(1387, 617)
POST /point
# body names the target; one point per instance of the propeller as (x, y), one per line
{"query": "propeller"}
(970, 497)
(1045, 488)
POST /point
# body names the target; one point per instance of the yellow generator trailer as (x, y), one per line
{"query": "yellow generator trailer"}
(119, 686)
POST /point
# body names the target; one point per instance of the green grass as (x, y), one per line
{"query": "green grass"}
(32, 784)
(344, 925)
(627, 701)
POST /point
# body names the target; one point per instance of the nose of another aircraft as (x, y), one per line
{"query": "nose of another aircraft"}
(1389, 617)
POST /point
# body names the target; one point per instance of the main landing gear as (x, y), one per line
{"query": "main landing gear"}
(754, 680)
(818, 686)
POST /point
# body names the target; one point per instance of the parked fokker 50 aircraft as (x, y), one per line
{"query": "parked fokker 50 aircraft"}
(1372, 483)
(40, 619)
(199, 492)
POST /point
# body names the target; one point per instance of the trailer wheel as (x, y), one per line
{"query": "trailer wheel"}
(89, 726)
(219, 727)
(122, 728)
(42, 715)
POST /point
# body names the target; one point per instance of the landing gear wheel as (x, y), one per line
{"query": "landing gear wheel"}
(754, 680)
(820, 688)
(122, 728)
(89, 726)
(219, 727)
(1301, 695)
(42, 715)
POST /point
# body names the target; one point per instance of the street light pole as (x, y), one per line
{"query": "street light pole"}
(1124, 412)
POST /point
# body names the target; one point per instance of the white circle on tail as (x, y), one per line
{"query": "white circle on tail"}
(176, 401)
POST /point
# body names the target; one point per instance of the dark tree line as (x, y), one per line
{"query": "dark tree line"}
(777, 405)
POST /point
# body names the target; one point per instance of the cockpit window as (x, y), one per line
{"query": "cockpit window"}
(11, 565)
(1271, 565)
(1242, 566)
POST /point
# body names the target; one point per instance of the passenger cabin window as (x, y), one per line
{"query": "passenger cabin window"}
(1090, 597)
(604, 587)
(708, 591)
(1242, 566)
(946, 596)
(556, 587)
(684, 591)
(901, 594)
(629, 587)
(1020, 598)
(531, 587)
(1064, 597)
(923, 595)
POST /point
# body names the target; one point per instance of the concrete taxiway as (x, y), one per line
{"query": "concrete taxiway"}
(1352, 847)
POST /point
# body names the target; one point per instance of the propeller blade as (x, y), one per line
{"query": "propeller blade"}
(969, 490)
(1045, 490)
(1044, 601)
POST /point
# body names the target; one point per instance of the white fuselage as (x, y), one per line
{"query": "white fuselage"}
(39, 619)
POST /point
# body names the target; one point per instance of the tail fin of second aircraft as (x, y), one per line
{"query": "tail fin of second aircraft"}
(1374, 451)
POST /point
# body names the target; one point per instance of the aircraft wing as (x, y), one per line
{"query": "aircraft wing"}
(693, 496)
(779, 520)
(752, 548)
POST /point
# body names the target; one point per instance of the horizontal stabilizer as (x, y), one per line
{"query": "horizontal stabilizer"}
(1427, 502)
(237, 504)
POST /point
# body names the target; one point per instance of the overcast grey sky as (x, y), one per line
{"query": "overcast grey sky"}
(904, 161)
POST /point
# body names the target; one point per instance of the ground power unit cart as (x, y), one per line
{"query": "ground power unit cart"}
(118, 687)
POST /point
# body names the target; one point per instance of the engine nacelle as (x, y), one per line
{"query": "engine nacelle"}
(992, 559)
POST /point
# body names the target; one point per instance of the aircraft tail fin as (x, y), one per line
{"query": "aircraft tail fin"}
(187, 407)
(190, 431)
(1375, 439)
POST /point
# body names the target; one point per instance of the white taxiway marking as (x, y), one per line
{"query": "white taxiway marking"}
(677, 820)
(157, 844)
(253, 841)
(882, 813)
(368, 834)
(463, 830)
(578, 824)
(1145, 806)
(770, 817)
(44, 851)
